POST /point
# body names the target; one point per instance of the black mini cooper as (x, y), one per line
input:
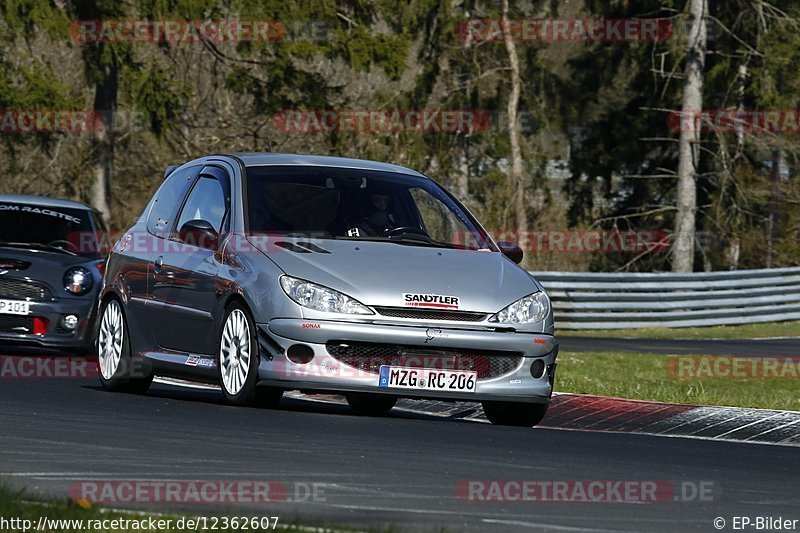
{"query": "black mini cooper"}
(51, 267)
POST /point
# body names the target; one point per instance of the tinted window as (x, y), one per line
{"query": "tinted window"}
(168, 200)
(205, 202)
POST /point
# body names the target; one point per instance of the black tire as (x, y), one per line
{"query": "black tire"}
(129, 375)
(268, 397)
(514, 414)
(366, 404)
(244, 392)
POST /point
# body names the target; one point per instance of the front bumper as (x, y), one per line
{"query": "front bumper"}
(324, 372)
(18, 330)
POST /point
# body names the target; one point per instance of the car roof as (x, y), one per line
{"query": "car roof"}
(42, 201)
(255, 159)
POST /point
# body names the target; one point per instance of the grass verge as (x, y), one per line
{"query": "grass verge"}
(748, 331)
(653, 377)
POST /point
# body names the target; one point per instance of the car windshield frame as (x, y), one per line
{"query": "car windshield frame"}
(344, 186)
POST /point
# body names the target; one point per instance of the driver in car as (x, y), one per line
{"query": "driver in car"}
(381, 218)
(377, 215)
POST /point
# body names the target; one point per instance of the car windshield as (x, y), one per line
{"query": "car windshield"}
(336, 203)
(59, 229)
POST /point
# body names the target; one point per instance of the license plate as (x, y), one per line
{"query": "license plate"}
(13, 307)
(397, 377)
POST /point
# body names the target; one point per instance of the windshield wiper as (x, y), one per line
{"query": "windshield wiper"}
(37, 245)
(403, 238)
(417, 238)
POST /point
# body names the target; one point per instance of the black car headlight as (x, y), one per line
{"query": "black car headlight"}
(320, 298)
(528, 310)
(78, 281)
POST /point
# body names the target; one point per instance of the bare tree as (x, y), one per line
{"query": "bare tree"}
(689, 143)
(105, 105)
(516, 179)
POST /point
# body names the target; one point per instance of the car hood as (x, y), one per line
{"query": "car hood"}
(41, 265)
(382, 273)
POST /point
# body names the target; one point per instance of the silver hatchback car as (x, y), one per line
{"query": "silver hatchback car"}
(271, 272)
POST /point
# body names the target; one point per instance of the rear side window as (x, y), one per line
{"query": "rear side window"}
(168, 200)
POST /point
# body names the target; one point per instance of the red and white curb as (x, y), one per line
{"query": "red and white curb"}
(596, 413)
(583, 412)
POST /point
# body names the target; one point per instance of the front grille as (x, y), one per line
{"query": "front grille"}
(369, 357)
(426, 314)
(21, 289)
(8, 323)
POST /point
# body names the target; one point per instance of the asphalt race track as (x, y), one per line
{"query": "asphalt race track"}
(403, 469)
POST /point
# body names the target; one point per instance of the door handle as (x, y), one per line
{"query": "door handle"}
(157, 264)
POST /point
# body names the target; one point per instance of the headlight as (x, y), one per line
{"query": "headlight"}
(529, 310)
(78, 281)
(319, 298)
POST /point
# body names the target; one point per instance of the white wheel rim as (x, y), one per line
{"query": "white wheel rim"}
(109, 341)
(234, 352)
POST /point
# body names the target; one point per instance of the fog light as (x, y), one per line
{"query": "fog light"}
(300, 354)
(537, 368)
(69, 322)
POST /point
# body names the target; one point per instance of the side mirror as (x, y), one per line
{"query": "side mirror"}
(511, 250)
(199, 233)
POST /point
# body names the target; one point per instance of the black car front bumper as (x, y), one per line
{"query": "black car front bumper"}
(18, 330)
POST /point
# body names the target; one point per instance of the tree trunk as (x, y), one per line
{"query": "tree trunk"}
(105, 106)
(689, 144)
(516, 179)
(773, 206)
(735, 245)
(462, 183)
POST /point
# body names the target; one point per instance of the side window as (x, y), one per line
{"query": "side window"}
(205, 202)
(168, 200)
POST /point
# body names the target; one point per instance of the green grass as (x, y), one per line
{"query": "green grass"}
(647, 377)
(19, 505)
(749, 331)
